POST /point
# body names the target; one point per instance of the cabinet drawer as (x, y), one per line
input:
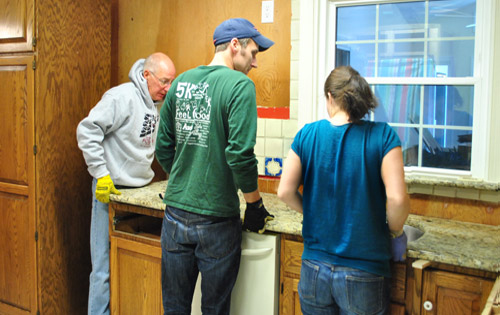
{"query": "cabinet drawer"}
(292, 251)
(127, 222)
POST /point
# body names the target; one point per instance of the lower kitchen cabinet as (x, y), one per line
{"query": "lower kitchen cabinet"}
(418, 287)
(291, 252)
(290, 261)
(135, 266)
(136, 272)
(447, 293)
(135, 260)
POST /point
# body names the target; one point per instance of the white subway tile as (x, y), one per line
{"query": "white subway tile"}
(274, 147)
(295, 9)
(294, 89)
(261, 127)
(294, 109)
(445, 191)
(295, 30)
(468, 193)
(294, 70)
(289, 128)
(261, 167)
(259, 149)
(294, 54)
(287, 144)
(273, 128)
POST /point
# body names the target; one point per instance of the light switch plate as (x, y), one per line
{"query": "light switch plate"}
(268, 11)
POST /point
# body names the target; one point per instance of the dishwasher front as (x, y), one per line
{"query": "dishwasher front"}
(256, 289)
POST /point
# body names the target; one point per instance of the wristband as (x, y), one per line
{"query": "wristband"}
(396, 234)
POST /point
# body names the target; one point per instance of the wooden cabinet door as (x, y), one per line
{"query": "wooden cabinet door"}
(17, 207)
(135, 278)
(16, 25)
(453, 294)
(290, 296)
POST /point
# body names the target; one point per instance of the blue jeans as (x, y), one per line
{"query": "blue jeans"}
(325, 289)
(193, 243)
(99, 254)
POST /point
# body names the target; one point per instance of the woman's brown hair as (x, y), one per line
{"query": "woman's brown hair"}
(351, 92)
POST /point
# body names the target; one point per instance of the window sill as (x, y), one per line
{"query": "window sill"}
(473, 189)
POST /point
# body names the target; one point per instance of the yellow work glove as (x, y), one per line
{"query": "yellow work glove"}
(104, 188)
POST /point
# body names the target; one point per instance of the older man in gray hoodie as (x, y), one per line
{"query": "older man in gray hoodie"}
(117, 139)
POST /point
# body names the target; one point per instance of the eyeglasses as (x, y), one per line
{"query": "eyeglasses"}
(163, 82)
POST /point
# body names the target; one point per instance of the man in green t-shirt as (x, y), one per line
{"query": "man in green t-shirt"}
(205, 144)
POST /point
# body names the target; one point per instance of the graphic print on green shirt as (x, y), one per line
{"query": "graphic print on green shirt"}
(192, 115)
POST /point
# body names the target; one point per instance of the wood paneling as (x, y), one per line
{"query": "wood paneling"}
(464, 210)
(183, 29)
(16, 25)
(73, 71)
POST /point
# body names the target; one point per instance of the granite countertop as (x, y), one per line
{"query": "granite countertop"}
(445, 241)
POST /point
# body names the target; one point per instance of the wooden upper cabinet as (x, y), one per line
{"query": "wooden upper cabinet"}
(16, 25)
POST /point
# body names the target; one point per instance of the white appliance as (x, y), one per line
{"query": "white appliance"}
(256, 288)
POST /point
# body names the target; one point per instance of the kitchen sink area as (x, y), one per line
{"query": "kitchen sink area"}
(412, 233)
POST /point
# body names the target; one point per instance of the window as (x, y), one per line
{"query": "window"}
(421, 39)
(429, 65)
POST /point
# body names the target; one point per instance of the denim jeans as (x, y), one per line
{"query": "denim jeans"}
(99, 254)
(193, 243)
(325, 289)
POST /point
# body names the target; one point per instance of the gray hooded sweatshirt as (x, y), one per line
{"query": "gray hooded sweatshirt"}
(118, 136)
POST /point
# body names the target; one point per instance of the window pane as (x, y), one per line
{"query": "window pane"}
(401, 60)
(359, 56)
(449, 105)
(451, 58)
(356, 23)
(402, 20)
(452, 18)
(398, 103)
(409, 145)
(445, 148)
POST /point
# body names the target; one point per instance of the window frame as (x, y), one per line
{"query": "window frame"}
(317, 26)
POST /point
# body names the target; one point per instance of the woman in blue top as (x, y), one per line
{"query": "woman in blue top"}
(354, 202)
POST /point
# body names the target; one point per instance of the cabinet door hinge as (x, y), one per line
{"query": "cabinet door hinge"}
(281, 287)
(36, 236)
(33, 42)
(35, 149)
(33, 65)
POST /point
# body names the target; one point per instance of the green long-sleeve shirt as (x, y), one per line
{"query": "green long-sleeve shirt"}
(206, 140)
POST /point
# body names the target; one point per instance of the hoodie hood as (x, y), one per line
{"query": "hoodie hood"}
(136, 75)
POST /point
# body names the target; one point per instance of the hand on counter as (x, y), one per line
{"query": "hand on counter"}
(256, 217)
(104, 188)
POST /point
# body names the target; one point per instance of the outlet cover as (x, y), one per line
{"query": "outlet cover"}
(268, 11)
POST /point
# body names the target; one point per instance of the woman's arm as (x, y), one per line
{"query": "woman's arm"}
(290, 182)
(398, 202)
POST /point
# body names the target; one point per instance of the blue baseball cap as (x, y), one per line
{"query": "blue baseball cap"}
(240, 28)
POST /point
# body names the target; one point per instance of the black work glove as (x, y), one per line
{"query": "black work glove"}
(256, 217)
